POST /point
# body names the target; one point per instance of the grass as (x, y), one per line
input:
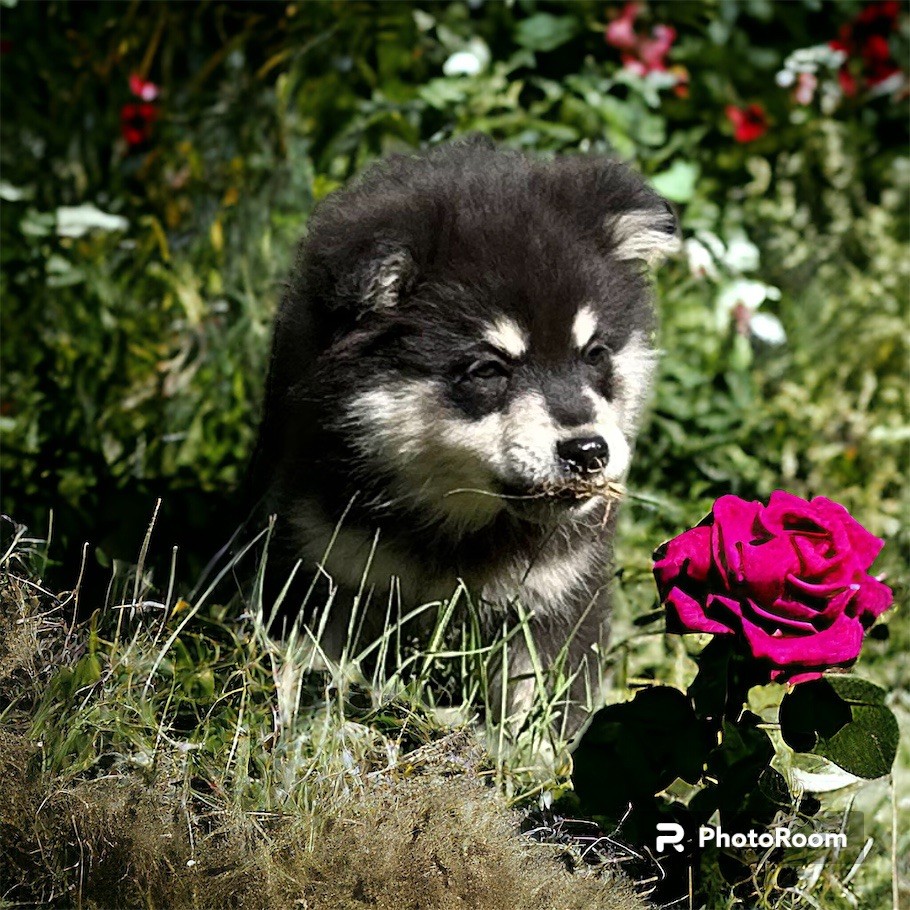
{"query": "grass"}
(168, 754)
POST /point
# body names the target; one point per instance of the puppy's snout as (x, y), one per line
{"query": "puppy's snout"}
(584, 454)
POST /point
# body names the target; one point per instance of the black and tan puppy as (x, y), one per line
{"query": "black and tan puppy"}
(459, 368)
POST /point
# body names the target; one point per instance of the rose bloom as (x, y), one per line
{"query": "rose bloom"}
(790, 578)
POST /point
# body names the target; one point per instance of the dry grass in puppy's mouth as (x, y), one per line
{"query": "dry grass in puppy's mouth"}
(580, 488)
(576, 489)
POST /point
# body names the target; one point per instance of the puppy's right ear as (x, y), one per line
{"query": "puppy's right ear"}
(363, 252)
(614, 205)
(379, 281)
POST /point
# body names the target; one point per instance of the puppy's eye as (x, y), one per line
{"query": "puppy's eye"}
(488, 369)
(596, 354)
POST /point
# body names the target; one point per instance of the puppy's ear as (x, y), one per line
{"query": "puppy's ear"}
(379, 281)
(364, 251)
(613, 204)
(649, 234)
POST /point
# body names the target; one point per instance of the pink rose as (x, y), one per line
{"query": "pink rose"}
(790, 578)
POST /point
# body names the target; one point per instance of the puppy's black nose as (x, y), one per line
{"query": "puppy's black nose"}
(583, 455)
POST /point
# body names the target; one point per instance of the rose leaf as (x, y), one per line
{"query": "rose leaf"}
(844, 719)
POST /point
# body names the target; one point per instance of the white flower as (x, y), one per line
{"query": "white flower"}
(810, 59)
(785, 78)
(767, 328)
(714, 244)
(700, 260)
(742, 255)
(78, 220)
(469, 61)
(745, 292)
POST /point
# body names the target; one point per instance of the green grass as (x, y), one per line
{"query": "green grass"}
(169, 729)
(168, 754)
(172, 754)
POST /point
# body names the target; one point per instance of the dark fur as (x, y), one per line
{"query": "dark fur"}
(398, 276)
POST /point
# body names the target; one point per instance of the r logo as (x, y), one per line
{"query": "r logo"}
(672, 838)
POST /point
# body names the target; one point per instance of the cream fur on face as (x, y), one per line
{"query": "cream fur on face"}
(453, 466)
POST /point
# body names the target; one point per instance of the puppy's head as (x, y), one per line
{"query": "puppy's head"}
(483, 328)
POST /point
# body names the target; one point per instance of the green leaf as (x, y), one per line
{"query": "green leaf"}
(545, 32)
(843, 719)
(633, 750)
(677, 182)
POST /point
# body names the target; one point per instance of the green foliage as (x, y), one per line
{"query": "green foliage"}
(706, 757)
(134, 352)
(845, 719)
(139, 285)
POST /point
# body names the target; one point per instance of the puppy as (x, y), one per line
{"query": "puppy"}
(459, 368)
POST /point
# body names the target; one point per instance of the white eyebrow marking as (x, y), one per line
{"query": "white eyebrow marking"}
(584, 326)
(507, 336)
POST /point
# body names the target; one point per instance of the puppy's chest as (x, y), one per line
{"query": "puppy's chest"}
(548, 582)
(551, 582)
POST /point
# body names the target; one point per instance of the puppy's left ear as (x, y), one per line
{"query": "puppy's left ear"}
(649, 234)
(613, 204)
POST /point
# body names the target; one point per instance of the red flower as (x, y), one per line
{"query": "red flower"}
(847, 82)
(749, 123)
(879, 15)
(136, 123)
(877, 60)
(143, 89)
(136, 119)
(789, 579)
(865, 42)
(643, 54)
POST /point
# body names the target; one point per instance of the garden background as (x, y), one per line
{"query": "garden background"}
(159, 162)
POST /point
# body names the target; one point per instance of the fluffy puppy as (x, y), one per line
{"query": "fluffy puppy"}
(459, 367)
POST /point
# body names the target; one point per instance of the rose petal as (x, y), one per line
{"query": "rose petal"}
(779, 674)
(766, 566)
(720, 605)
(816, 590)
(872, 599)
(734, 524)
(818, 554)
(865, 546)
(787, 618)
(839, 643)
(817, 535)
(784, 508)
(822, 599)
(688, 555)
(686, 614)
